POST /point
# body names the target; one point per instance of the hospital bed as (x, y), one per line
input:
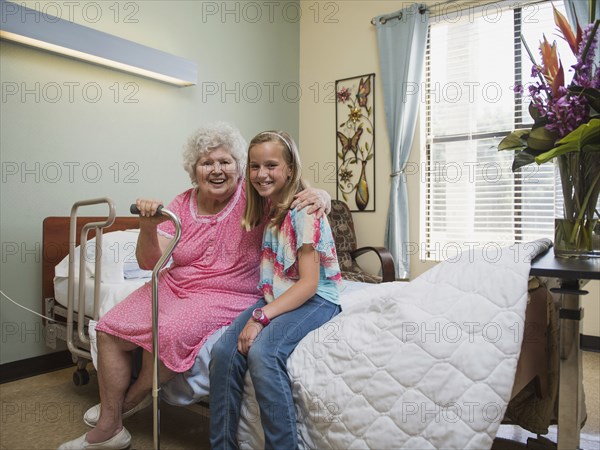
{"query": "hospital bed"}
(345, 375)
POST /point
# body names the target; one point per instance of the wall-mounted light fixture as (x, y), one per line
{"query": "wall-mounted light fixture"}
(30, 27)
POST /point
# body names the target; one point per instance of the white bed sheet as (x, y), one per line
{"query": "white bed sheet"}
(192, 386)
(186, 388)
(110, 293)
(113, 293)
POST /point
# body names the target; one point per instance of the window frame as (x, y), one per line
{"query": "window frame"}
(429, 251)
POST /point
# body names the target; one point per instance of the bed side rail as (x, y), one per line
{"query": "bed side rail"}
(83, 339)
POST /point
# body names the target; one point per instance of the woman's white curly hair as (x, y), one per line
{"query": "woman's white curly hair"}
(209, 137)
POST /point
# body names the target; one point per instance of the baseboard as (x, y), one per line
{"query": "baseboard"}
(590, 343)
(38, 365)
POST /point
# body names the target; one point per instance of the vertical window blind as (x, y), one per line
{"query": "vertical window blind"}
(471, 197)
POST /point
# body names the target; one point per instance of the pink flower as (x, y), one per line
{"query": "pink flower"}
(343, 95)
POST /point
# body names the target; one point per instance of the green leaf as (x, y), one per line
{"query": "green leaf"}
(523, 158)
(557, 151)
(366, 146)
(541, 139)
(370, 157)
(583, 136)
(587, 133)
(517, 140)
(369, 130)
(540, 122)
(533, 112)
(591, 148)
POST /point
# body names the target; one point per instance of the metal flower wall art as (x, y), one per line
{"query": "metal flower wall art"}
(355, 138)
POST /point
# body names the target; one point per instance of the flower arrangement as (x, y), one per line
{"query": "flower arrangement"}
(566, 129)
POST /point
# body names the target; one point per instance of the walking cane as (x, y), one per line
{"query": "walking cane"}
(155, 272)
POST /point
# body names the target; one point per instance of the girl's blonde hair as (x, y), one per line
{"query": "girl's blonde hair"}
(256, 206)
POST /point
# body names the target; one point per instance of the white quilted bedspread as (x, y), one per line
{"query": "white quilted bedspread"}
(421, 365)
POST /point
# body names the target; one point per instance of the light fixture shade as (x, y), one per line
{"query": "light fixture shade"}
(30, 27)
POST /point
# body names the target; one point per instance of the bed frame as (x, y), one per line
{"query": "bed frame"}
(55, 246)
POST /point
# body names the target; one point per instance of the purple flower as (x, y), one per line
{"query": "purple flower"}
(585, 63)
(596, 79)
(566, 113)
(566, 110)
(535, 71)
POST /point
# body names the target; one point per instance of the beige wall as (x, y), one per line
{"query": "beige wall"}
(591, 306)
(341, 45)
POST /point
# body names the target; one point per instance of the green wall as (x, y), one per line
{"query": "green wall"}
(71, 130)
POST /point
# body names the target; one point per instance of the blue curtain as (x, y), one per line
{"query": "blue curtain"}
(582, 9)
(402, 38)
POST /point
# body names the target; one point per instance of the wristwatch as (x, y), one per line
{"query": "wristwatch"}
(258, 315)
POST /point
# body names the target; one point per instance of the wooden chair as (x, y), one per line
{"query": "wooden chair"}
(342, 226)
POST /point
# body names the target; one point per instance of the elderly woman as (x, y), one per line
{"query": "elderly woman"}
(214, 277)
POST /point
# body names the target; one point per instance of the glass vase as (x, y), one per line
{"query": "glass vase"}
(576, 239)
(576, 224)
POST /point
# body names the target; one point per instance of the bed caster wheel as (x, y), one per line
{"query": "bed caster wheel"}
(81, 377)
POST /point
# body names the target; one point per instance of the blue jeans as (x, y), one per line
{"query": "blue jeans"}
(267, 362)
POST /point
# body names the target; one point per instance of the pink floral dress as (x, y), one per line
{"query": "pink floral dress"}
(212, 279)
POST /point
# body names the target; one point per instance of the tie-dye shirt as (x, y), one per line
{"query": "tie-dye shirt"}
(279, 265)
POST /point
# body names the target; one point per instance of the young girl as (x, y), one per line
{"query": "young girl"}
(299, 277)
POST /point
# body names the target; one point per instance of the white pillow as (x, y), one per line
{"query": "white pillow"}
(131, 271)
(62, 268)
(118, 249)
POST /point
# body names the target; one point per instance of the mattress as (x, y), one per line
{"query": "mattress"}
(110, 293)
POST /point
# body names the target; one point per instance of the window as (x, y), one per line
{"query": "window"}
(471, 196)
